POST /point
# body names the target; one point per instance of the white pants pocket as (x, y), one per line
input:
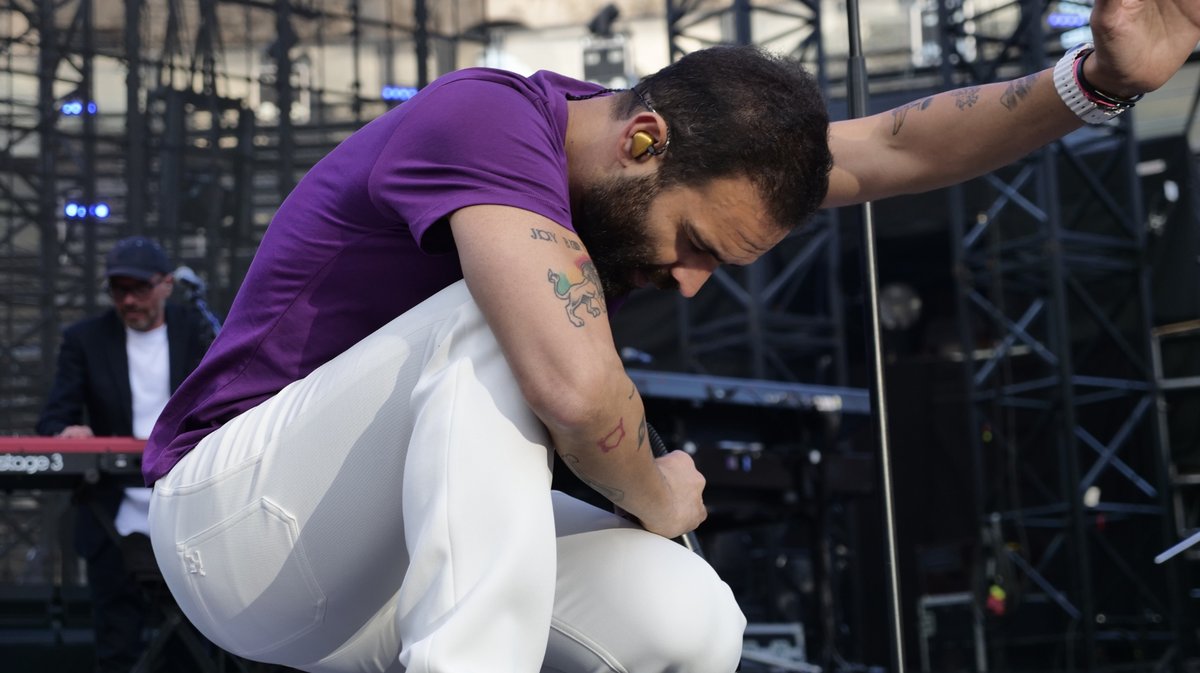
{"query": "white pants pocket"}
(250, 575)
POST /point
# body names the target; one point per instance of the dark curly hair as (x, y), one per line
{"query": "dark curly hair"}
(740, 111)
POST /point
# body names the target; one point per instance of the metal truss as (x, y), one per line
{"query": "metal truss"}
(1054, 315)
(1174, 388)
(780, 318)
(795, 27)
(49, 147)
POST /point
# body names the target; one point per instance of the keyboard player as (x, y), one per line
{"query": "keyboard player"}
(115, 372)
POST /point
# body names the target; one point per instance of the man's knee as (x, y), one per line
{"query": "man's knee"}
(707, 633)
(691, 618)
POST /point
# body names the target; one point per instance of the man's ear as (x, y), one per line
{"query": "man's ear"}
(643, 136)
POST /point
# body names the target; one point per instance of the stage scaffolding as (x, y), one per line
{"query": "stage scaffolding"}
(1055, 320)
(780, 318)
(47, 156)
(196, 145)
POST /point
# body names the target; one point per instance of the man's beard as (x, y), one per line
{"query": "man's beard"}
(611, 221)
(139, 319)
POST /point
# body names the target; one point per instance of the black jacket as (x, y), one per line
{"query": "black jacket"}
(91, 387)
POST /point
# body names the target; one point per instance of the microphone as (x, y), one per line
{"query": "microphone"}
(196, 288)
(193, 282)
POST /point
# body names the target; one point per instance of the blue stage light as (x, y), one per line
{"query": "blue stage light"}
(398, 93)
(74, 108)
(77, 211)
(1061, 20)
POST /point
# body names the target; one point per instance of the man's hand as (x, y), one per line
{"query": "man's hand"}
(685, 510)
(1140, 43)
(76, 432)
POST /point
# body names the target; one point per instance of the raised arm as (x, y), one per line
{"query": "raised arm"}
(539, 292)
(961, 134)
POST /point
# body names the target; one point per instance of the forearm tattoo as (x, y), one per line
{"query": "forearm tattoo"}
(901, 113)
(615, 495)
(614, 438)
(584, 293)
(1017, 91)
(642, 432)
(966, 98)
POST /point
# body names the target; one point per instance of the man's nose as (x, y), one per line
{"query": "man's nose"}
(691, 278)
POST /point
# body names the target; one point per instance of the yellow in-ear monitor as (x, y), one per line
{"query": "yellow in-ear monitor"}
(643, 144)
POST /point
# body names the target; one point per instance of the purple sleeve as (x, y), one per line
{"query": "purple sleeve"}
(469, 142)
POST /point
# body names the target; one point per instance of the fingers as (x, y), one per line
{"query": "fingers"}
(687, 487)
(76, 432)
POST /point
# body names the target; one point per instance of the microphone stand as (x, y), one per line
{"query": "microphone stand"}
(857, 102)
(196, 296)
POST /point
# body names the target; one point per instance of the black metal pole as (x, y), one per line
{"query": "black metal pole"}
(285, 37)
(135, 122)
(48, 150)
(421, 38)
(87, 96)
(857, 101)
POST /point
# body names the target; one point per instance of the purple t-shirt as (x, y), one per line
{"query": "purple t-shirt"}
(364, 237)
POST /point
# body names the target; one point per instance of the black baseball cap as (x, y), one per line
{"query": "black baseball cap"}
(137, 257)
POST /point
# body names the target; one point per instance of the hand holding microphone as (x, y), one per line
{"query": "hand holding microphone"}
(659, 448)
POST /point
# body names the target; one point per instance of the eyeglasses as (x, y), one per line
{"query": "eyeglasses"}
(140, 290)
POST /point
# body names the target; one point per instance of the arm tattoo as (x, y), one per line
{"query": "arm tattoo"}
(1018, 90)
(585, 293)
(642, 432)
(965, 98)
(613, 439)
(615, 495)
(900, 113)
(543, 235)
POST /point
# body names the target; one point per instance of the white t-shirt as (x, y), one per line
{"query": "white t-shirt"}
(150, 386)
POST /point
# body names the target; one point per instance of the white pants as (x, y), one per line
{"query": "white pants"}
(392, 512)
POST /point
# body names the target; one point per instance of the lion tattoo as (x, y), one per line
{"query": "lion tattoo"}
(586, 293)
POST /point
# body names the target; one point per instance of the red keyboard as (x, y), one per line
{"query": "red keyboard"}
(54, 462)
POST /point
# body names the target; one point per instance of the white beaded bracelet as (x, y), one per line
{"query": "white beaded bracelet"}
(1096, 108)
